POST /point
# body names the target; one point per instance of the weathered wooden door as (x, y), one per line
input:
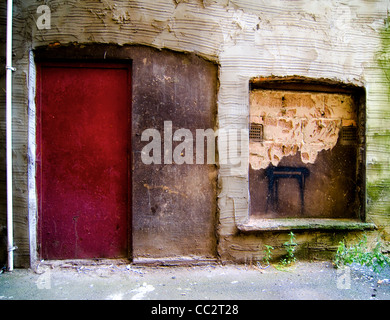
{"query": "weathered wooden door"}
(83, 171)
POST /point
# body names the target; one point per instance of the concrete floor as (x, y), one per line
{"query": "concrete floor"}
(304, 280)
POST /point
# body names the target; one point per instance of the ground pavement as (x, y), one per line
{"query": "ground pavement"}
(303, 280)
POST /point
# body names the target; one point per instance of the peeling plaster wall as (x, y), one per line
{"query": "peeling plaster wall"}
(307, 130)
(305, 122)
(247, 38)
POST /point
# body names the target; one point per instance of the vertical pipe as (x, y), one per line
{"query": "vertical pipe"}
(9, 70)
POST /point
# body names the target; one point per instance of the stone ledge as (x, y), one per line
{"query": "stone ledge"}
(287, 224)
(174, 261)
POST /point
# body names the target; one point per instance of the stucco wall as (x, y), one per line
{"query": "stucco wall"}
(317, 39)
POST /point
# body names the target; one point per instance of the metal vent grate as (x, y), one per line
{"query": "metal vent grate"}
(349, 135)
(256, 132)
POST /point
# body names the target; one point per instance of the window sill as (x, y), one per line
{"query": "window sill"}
(287, 224)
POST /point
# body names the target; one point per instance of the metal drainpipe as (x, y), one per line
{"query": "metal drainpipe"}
(9, 69)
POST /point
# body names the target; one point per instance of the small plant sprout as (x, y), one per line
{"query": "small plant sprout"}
(267, 254)
(290, 247)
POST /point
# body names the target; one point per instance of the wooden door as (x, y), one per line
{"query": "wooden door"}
(83, 172)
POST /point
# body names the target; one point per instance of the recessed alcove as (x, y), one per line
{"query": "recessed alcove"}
(309, 162)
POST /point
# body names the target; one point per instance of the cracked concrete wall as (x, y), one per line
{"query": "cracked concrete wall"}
(247, 38)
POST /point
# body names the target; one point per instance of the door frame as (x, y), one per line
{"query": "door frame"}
(35, 141)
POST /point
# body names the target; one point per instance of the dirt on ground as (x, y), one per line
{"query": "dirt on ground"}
(302, 280)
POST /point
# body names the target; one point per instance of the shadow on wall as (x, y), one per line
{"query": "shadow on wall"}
(329, 191)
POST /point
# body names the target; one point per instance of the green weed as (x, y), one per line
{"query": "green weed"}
(267, 254)
(290, 247)
(360, 254)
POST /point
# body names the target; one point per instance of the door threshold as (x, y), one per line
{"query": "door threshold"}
(182, 261)
(76, 263)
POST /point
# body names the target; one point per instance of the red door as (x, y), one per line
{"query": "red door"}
(83, 175)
